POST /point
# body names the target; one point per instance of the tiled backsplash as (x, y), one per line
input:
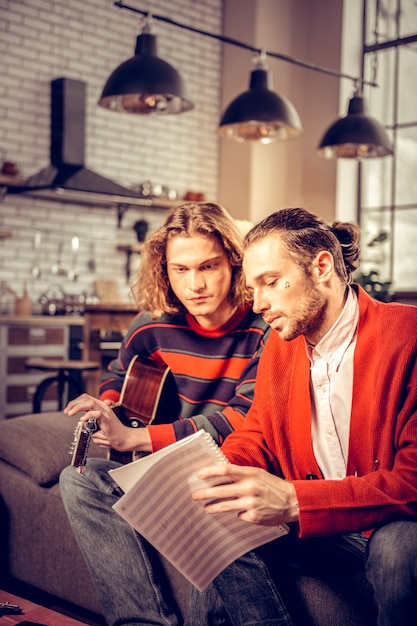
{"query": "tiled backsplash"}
(42, 40)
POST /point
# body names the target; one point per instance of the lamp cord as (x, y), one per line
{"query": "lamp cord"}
(241, 44)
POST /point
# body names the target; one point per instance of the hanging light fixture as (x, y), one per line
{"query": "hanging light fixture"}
(145, 84)
(260, 114)
(356, 136)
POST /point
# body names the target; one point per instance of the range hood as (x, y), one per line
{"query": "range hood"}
(67, 177)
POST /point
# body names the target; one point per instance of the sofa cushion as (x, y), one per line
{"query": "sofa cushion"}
(39, 443)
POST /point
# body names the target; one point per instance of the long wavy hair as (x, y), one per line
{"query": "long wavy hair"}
(304, 235)
(152, 291)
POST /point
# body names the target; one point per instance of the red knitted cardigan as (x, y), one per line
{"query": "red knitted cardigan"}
(381, 481)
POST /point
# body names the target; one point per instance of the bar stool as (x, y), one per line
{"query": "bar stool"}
(66, 372)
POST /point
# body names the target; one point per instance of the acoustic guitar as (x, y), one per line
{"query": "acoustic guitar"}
(148, 396)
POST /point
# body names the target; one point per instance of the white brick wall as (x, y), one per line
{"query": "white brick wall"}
(86, 40)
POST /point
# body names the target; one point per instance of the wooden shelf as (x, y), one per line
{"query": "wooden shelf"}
(131, 248)
(11, 181)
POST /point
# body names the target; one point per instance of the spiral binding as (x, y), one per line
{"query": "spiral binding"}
(221, 456)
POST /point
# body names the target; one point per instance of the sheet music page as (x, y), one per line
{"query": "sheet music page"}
(127, 475)
(159, 506)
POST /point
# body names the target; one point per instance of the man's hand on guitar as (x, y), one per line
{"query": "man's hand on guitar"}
(112, 432)
(148, 396)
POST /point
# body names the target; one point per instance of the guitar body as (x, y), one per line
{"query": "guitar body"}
(148, 396)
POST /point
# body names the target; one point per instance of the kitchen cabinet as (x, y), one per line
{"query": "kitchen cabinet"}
(21, 338)
(49, 336)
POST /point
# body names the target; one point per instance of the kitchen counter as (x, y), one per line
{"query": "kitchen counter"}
(42, 320)
(115, 313)
(96, 318)
(99, 317)
(111, 307)
(37, 328)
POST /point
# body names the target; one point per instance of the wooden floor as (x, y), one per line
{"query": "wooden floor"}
(33, 612)
(43, 609)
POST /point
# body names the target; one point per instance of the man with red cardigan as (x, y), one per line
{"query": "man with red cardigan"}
(330, 443)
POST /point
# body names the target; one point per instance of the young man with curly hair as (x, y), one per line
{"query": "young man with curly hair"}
(196, 317)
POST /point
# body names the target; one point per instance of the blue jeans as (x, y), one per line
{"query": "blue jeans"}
(252, 587)
(391, 568)
(256, 588)
(123, 566)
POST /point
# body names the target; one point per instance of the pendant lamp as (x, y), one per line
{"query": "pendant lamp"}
(356, 136)
(260, 114)
(145, 84)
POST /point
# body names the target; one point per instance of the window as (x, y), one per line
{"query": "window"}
(388, 186)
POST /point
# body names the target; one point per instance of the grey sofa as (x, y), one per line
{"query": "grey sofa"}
(37, 546)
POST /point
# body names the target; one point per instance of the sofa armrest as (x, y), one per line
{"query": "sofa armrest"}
(39, 443)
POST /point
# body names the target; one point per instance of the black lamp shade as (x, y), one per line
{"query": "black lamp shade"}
(145, 84)
(260, 114)
(356, 136)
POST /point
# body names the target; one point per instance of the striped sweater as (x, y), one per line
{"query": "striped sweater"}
(214, 370)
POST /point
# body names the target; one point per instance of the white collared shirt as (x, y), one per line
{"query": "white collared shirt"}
(331, 389)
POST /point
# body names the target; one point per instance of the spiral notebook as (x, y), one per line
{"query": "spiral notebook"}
(157, 503)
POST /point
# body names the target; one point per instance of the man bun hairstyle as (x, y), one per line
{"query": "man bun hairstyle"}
(305, 234)
(348, 235)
